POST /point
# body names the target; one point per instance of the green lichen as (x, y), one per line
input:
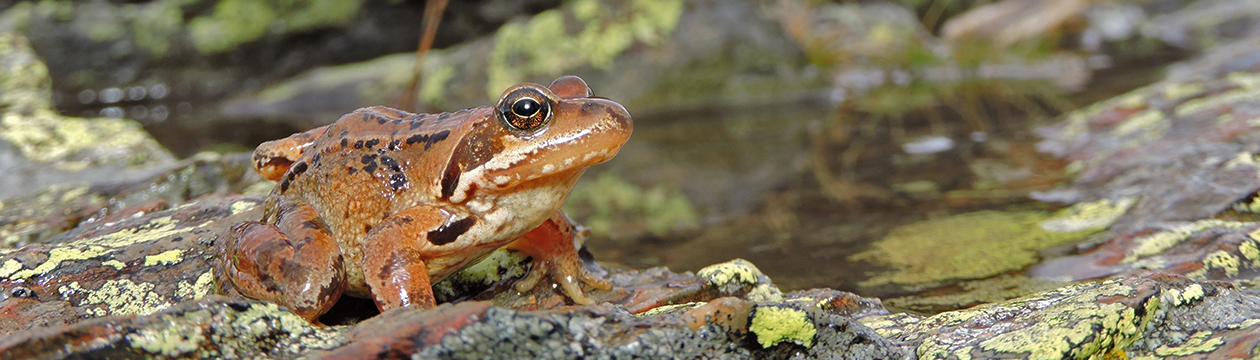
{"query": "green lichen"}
(118, 297)
(973, 245)
(776, 324)
(1069, 323)
(236, 22)
(180, 338)
(118, 265)
(1199, 342)
(610, 205)
(500, 264)
(604, 30)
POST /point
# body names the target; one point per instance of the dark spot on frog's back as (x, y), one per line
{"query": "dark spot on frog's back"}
(428, 139)
(391, 164)
(397, 181)
(449, 232)
(371, 143)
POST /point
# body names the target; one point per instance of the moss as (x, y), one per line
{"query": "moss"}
(605, 30)
(775, 324)
(973, 245)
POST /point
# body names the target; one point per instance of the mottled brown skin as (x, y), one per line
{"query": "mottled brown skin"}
(382, 202)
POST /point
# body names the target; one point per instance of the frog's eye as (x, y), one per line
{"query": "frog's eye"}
(525, 109)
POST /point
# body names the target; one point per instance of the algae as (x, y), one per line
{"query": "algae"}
(972, 245)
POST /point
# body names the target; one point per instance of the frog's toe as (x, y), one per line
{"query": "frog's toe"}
(567, 274)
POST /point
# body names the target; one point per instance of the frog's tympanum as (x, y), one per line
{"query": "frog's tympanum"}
(383, 203)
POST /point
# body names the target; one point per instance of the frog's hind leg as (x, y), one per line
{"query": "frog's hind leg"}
(294, 263)
(553, 247)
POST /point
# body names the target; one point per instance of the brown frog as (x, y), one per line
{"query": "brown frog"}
(382, 203)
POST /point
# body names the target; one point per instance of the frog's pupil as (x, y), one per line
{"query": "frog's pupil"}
(525, 107)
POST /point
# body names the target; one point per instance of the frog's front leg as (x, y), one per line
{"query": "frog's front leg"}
(554, 248)
(295, 263)
(395, 252)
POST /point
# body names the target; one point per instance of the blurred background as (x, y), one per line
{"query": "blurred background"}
(888, 148)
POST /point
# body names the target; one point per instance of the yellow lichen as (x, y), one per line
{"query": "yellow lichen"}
(58, 255)
(242, 206)
(774, 325)
(1156, 243)
(665, 309)
(1212, 102)
(1096, 215)
(739, 272)
(1222, 259)
(1178, 297)
(765, 293)
(196, 290)
(119, 265)
(169, 257)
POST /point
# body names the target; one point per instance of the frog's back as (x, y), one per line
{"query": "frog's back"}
(376, 160)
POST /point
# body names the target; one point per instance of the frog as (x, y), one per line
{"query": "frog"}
(382, 203)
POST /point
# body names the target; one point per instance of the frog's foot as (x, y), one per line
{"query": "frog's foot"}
(262, 262)
(553, 247)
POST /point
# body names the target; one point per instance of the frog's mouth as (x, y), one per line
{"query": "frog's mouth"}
(582, 133)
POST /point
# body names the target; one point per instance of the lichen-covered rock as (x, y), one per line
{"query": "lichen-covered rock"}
(1151, 314)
